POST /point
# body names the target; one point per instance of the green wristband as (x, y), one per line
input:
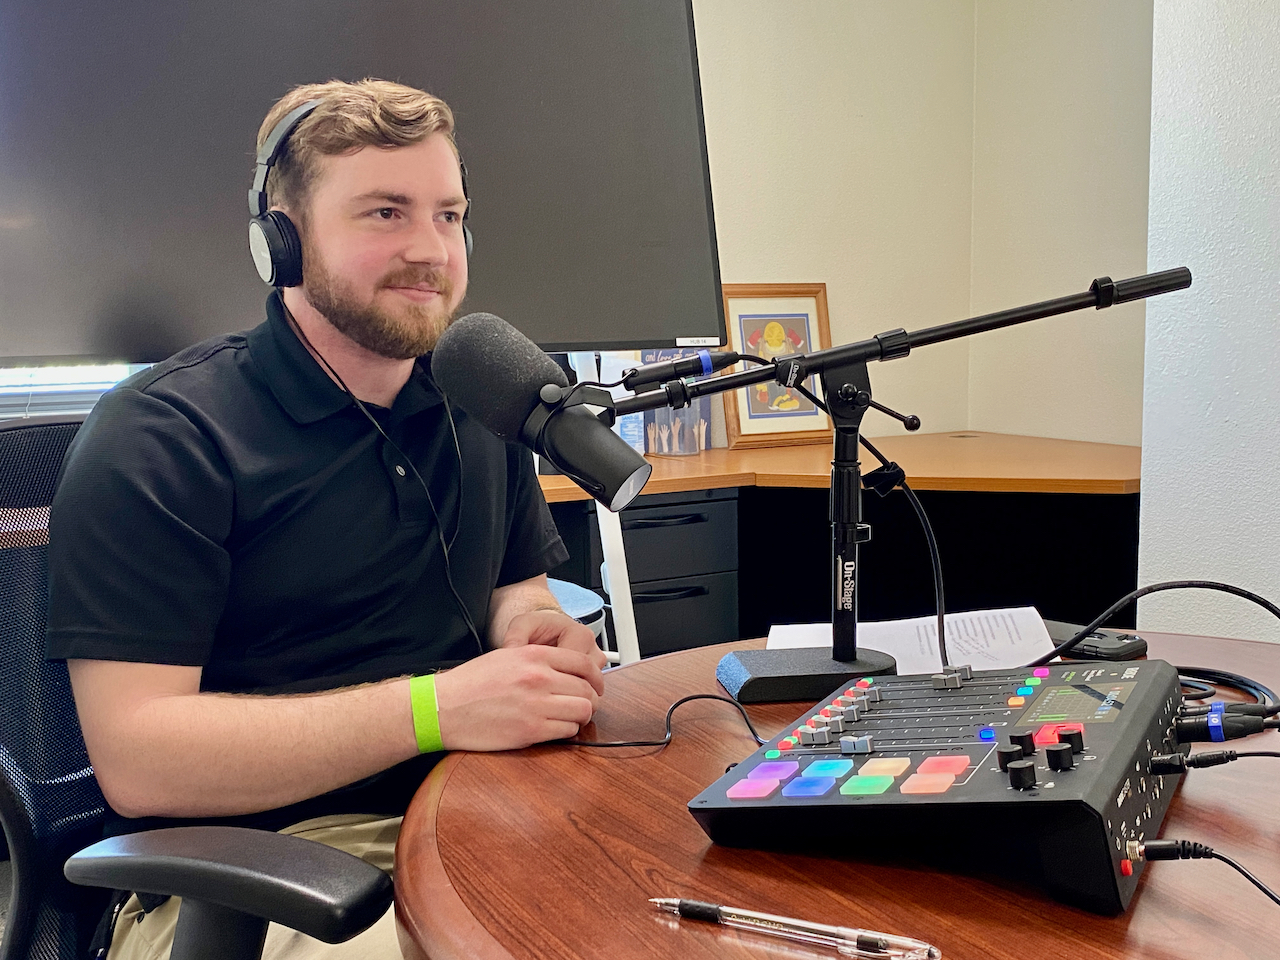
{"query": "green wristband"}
(426, 713)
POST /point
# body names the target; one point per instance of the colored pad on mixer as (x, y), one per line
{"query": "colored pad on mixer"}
(884, 767)
(928, 783)
(865, 786)
(751, 789)
(828, 768)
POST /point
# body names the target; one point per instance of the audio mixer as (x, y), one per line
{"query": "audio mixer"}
(1038, 771)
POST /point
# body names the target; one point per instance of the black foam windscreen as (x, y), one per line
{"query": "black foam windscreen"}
(493, 372)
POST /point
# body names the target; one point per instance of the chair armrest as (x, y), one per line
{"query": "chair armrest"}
(318, 890)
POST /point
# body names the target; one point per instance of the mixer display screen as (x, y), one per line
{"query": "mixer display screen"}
(1079, 703)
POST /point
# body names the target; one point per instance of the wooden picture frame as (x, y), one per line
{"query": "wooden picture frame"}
(772, 320)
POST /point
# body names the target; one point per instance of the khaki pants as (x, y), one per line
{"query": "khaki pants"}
(149, 936)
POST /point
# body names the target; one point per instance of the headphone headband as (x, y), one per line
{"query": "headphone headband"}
(269, 154)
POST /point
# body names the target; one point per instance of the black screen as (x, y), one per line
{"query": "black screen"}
(126, 151)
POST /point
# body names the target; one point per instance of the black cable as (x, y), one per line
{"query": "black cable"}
(804, 392)
(1177, 763)
(754, 359)
(667, 739)
(1222, 678)
(444, 547)
(1247, 875)
(1142, 592)
(935, 557)
(1205, 690)
(874, 452)
(1188, 850)
(1247, 709)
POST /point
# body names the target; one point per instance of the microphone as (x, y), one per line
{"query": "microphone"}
(499, 376)
(704, 363)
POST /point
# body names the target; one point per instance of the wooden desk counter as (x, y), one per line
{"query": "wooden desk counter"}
(554, 851)
(960, 460)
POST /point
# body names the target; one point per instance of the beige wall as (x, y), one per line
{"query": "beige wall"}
(839, 136)
(1210, 457)
(1062, 132)
(932, 159)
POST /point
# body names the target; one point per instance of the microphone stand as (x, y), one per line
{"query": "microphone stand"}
(764, 676)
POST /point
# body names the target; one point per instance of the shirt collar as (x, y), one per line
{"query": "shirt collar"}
(304, 390)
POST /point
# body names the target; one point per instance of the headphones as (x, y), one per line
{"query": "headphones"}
(273, 239)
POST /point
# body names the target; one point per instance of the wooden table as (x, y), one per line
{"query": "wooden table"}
(960, 460)
(554, 851)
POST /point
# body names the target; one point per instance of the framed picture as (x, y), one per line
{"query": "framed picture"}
(771, 320)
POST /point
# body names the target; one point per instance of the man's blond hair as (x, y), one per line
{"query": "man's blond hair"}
(368, 113)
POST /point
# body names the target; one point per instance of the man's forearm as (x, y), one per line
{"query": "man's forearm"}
(510, 601)
(202, 754)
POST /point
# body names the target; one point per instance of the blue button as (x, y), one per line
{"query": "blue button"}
(1025, 691)
(808, 786)
(828, 768)
(986, 733)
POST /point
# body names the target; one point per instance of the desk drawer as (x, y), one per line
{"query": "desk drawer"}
(678, 540)
(684, 612)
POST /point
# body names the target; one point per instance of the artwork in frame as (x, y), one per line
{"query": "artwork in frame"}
(771, 320)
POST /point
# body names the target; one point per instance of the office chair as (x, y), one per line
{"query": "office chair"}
(232, 880)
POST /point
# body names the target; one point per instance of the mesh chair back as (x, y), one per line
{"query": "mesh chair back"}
(50, 804)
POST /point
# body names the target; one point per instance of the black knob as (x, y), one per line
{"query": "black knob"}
(1027, 741)
(1073, 737)
(1004, 755)
(1059, 756)
(1022, 774)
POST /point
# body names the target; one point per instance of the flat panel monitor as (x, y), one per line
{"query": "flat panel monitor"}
(126, 150)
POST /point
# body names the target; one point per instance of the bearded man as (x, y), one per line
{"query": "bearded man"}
(285, 575)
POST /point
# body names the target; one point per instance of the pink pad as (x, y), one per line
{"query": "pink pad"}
(956, 764)
(751, 789)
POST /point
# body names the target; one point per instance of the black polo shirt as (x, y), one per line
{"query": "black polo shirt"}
(231, 509)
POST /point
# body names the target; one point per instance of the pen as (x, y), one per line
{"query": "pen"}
(849, 941)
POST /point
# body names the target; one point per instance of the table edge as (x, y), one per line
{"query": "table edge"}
(456, 932)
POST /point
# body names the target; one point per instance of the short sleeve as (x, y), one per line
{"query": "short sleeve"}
(137, 566)
(533, 543)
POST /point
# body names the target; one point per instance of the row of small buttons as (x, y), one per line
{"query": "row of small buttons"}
(1028, 687)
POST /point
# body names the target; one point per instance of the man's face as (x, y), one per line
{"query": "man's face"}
(384, 258)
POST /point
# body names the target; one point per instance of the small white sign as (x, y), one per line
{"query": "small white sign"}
(697, 341)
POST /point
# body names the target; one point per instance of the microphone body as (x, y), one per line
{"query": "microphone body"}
(499, 376)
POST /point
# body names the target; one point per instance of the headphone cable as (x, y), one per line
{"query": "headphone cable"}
(444, 547)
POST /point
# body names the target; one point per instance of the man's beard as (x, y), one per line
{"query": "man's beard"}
(409, 333)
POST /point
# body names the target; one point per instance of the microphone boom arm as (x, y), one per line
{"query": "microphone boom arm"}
(1102, 293)
(847, 390)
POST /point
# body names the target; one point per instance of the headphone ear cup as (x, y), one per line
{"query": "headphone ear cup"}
(276, 249)
(468, 239)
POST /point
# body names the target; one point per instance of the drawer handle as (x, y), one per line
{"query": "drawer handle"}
(671, 593)
(650, 523)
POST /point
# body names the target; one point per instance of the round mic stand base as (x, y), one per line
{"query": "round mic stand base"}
(803, 673)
